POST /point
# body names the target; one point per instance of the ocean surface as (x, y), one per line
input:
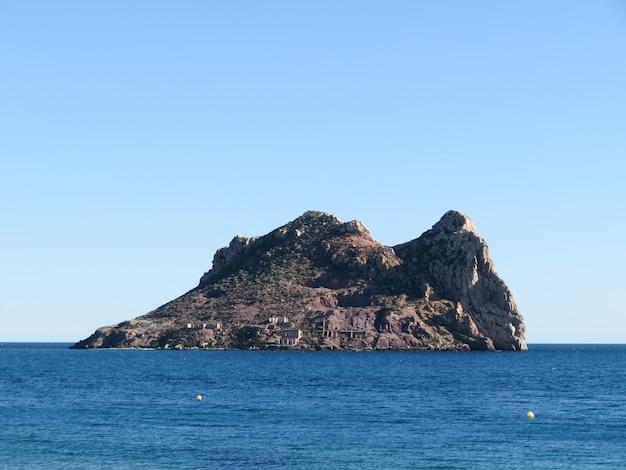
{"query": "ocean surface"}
(114, 409)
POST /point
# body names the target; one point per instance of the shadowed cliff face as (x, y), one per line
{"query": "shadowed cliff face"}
(318, 283)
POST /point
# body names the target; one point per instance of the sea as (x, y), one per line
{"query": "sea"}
(153, 409)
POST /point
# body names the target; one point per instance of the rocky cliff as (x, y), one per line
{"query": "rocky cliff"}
(318, 283)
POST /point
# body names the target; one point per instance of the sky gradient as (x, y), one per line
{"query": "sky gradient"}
(137, 138)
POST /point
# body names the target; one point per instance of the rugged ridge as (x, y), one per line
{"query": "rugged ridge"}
(318, 283)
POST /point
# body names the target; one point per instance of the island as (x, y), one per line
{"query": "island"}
(317, 283)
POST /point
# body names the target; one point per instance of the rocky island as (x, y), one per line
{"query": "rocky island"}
(319, 284)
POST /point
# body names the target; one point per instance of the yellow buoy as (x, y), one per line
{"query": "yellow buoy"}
(530, 415)
(199, 397)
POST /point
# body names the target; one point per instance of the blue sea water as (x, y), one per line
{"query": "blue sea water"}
(114, 409)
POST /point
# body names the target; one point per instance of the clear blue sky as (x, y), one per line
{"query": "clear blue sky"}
(138, 137)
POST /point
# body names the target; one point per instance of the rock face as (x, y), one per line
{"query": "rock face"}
(318, 283)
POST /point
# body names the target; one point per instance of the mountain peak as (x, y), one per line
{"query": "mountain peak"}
(317, 219)
(455, 221)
